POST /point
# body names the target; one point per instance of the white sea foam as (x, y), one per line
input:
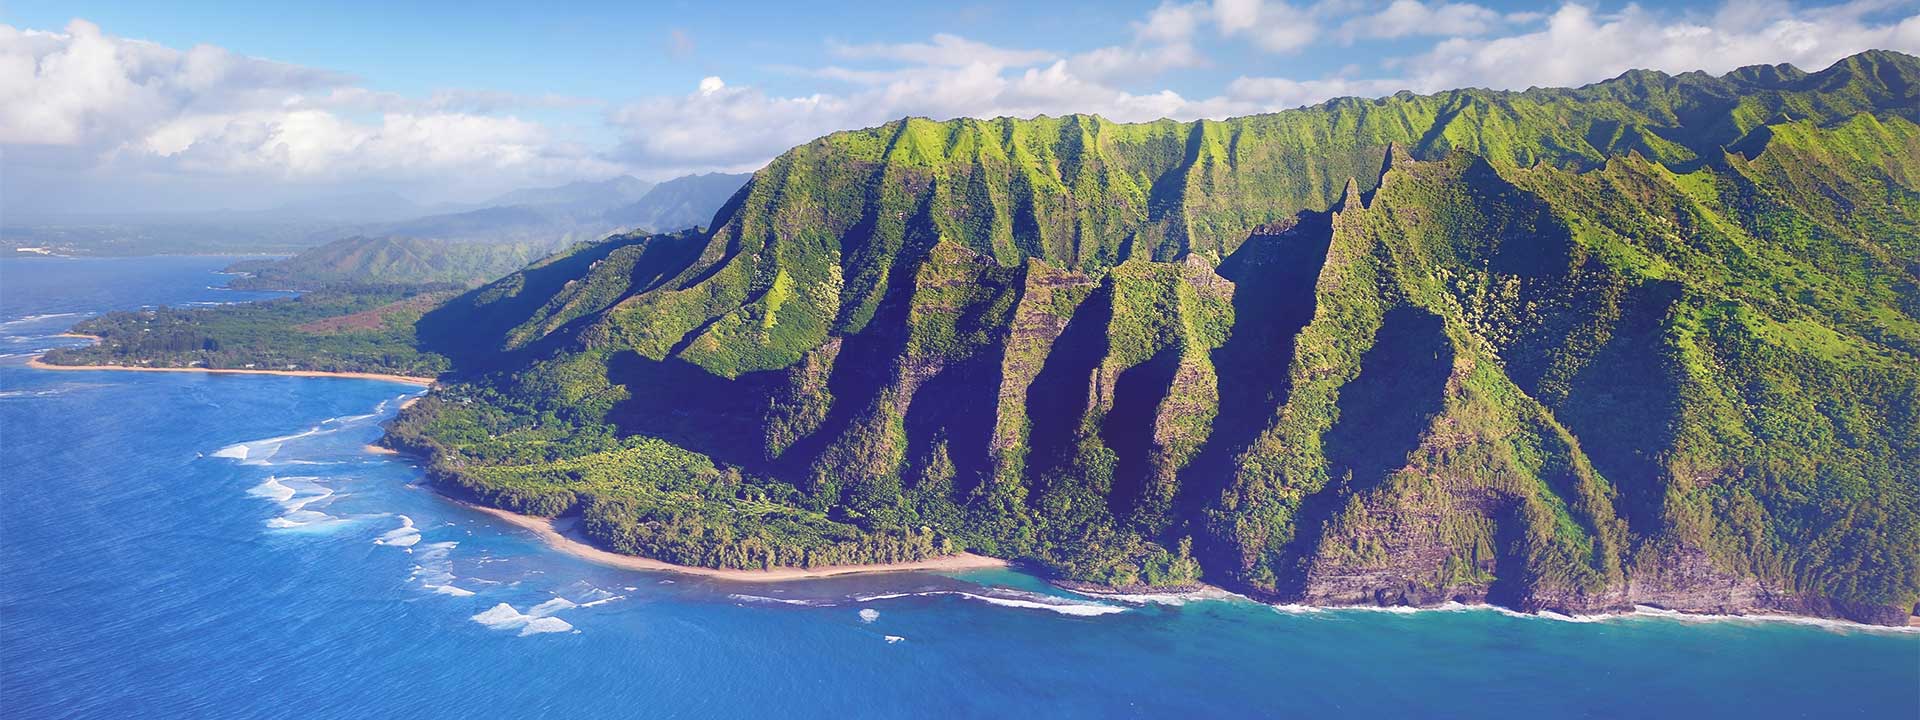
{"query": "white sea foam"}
(552, 606)
(404, 536)
(1205, 593)
(500, 616)
(450, 590)
(294, 495)
(301, 519)
(868, 615)
(1640, 612)
(504, 617)
(30, 319)
(273, 490)
(891, 639)
(545, 625)
(764, 599)
(1017, 599)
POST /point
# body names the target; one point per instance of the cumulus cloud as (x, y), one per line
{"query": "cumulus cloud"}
(944, 50)
(108, 103)
(1273, 26)
(1579, 45)
(1404, 18)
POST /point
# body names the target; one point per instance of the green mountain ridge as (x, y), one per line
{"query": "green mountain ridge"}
(1649, 341)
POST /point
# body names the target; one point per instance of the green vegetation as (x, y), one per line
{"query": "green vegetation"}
(364, 329)
(364, 260)
(1653, 340)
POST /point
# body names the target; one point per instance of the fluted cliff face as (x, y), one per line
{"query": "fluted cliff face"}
(1649, 341)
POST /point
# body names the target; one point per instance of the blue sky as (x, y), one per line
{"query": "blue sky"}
(203, 104)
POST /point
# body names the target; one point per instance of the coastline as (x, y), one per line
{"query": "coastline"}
(562, 536)
(38, 364)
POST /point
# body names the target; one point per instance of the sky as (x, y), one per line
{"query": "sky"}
(113, 107)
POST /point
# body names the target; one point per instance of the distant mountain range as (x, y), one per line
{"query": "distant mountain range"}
(488, 242)
(539, 220)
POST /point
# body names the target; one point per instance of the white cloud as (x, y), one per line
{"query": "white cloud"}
(944, 50)
(1272, 25)
(1404, 18)
(1121, 64)
(1171, 23)
(1579, 46)
(107, 103)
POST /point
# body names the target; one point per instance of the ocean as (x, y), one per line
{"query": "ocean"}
(177, 545)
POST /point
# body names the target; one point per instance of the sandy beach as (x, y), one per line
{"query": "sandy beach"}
(562, 536)
(408, 379)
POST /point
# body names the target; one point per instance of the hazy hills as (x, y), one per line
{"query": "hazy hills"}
(485, 243)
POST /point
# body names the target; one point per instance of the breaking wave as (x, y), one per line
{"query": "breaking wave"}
(404, 536)
(764, 599)
(534, 621)
(1017, 599)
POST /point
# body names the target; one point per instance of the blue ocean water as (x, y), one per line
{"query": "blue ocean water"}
(183, 545)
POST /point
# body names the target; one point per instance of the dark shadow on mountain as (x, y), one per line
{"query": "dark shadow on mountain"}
(1528, 240)
(1624, 405)
(1510, 575)
(1385, 410)
(1058, 398)
(1128, 427)
(1274, 276)
(679, 401)
(1383, 413)
(960, 404)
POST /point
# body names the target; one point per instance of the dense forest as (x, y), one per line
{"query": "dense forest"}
(361, 328)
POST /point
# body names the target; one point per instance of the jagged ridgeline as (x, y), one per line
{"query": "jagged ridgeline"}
(1652, 340)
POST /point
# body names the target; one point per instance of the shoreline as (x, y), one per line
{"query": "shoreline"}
(564, 537)
(38, 364)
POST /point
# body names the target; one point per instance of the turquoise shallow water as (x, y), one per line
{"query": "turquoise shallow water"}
(179, 545)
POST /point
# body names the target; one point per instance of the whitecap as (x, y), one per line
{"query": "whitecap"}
(764, 599)
(1205, 593)
(545, 625)
(500, 616)
(891, 639)
(504, 617)
(404, 536)
(273, 490)
(1018, 599)
(551, 606)
(450, 590)
(868, 615)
